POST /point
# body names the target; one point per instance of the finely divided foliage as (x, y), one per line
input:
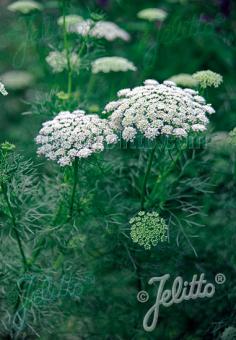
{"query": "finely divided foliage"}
(158, 109)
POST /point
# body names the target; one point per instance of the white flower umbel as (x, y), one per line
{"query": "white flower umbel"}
(208, 78)
(3, 90)
(70, 19)
(184, 80)
(58, 61)
(158, 109)
(152, 14)
(112, 64)
(17, 80)
(102, 29)
(25, 6)
(74, 135)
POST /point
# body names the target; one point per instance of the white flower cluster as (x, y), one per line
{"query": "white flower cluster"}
(58, 61)
(25, 6)
(102, 29)
(148, 229)
(71, 135)
(70, 19)
(208, 78)
(158, 109)
(112, 64)
(152, 14)
(3, 90)
(17, 80)
(184, 80)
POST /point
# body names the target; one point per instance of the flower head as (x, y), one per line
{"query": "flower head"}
(158, 109)
(70, 20)
(7, 147)
(148, 229)
(3, 90)
(152, 14)
(101, 29)
(112, 64)
(17, 80)
(184, 80)
(71, 135)
(58, 61)
(208, 78)
(25, 6)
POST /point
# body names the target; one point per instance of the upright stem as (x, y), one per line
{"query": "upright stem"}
(66, 48)
(15, 229)
(143, 192)
(142, 202)
(75, 182)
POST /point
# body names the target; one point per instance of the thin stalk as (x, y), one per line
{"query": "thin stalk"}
(143, 193)
(164, 175)
(142, 203)
(66, 48)
(15, 228)
(75, 182)
(37, 250)
(20, 245)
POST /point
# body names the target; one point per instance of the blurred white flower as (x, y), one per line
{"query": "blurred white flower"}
(208, 78)
(112, 64)
(71, 135)
(25, 6)
(3, 90)
(152, 14)
(58, 61)
(70, 20)
(158, 109)
(101, 29)
(184, 80)
(17, 80)
(220, 142)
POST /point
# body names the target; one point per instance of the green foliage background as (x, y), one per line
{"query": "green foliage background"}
(94, 250)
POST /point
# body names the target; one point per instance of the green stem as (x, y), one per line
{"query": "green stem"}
(164, 175)
(75, 182)
(66, 48)
(143, 192)
(15, 228)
